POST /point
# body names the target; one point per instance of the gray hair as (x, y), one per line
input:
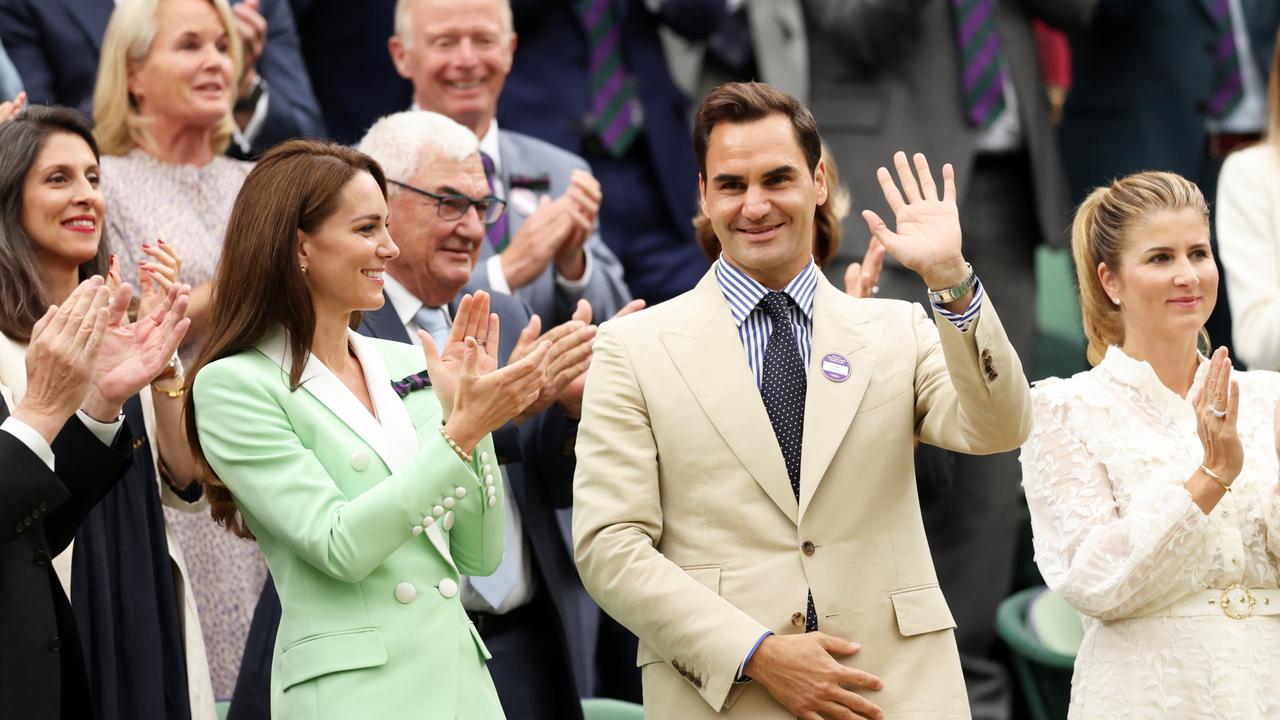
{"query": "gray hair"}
(397, 141)
(404, 20)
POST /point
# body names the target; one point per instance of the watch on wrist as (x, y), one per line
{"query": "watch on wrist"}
(955, 292)
(248, 102)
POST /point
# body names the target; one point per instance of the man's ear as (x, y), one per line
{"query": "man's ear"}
(702, 194)
(820, 179)
(400, 57)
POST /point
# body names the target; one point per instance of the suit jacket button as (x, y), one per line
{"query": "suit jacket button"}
(19, 528)
(44, 507)
(807, 547)
(27, 521)
(797, 619)
(448, 588)
(42, 557)
(54, 643)
(405, 593)
(360, 460)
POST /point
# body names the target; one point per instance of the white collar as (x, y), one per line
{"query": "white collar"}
(489, 146)
(405, 304)
(391, 433)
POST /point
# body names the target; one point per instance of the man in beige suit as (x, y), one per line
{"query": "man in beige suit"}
(745, 497)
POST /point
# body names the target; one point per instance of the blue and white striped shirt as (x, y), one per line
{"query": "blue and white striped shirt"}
(754, 324)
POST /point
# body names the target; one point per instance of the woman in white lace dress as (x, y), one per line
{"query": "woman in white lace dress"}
(1152, 478)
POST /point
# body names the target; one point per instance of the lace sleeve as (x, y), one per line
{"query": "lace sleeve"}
(1106, 560)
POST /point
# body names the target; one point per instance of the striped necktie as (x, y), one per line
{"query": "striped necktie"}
(1228, 86)
(497, 232)
(979, 45)
(615, 114)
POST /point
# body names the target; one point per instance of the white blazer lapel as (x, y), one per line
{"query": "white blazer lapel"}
(397, 426)
(325, 387)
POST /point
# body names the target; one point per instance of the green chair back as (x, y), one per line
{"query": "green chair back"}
(608, 709)
(1055, 623)
(1044, 674)
(222, 707)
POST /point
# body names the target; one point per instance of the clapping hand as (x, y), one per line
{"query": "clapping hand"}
(9, 109)
(1217, 405)
(61, 357)
(861, 280)
(132, 355)
(927, 236)
(473, 320)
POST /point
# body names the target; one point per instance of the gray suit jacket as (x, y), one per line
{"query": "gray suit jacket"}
(781, 52)
(525, 158)
(884, 77)
(10, 83)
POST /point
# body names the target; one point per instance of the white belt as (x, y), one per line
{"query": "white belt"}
(1235, 601)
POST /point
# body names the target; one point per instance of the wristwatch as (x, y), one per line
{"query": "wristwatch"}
(248, 102)
(955, 292)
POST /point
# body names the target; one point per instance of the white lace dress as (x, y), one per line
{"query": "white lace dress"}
(1119, 537)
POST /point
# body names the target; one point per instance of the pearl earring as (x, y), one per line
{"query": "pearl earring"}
(1115, 300)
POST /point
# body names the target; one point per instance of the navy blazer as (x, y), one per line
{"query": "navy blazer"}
(344, 45)
(546, 92)
(1142, 73)
(42, 665)
(55, 45)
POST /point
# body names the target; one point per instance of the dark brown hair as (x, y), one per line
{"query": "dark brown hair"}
(827, 228)
(259, 285)
(744, 102)
(23, 296)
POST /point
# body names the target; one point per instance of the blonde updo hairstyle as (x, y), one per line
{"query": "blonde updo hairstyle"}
(130, 32)
(1099, 234)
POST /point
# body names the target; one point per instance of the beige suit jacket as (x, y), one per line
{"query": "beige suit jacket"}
(685, 526)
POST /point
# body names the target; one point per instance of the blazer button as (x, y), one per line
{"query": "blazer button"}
(19, 528)
(41, 558)
(448, 588)
(807, 547)
(360, 460)
(797, 619)
(44, 507)
(54, 643)
(405, 593)
(447, 522)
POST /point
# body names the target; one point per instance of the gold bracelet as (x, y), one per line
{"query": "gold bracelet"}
(466, 456)
(1216, 478)
(182, 387)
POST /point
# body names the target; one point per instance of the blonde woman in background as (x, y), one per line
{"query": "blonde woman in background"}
(1248, 224)
(167, 81)
(1151, 478)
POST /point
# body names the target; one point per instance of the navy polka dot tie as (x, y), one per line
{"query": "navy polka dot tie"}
(783, 388)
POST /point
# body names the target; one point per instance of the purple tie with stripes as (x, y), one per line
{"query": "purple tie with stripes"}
(1228, 86)
(497, 232)
(979, 45)
(615, 115)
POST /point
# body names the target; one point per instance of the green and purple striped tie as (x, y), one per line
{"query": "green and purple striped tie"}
(979, 44)
(1228, 86)
(615, 115)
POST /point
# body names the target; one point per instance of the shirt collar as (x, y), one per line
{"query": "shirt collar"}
(489, 146)
(405, 304)
(743, 293)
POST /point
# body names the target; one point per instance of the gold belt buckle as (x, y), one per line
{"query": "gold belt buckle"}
(1243, 599)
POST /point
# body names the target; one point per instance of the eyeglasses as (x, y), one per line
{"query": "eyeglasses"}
(454, 207)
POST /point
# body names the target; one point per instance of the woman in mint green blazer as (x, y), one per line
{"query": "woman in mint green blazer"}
(369, 495)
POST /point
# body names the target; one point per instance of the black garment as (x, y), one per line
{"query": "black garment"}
(42, 673)
(124, 597)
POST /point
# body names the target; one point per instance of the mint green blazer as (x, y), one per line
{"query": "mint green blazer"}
(366, 524)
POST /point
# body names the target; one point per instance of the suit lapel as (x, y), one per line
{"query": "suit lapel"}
(513, 164)
(1207, 6)
(326, 388)
(384, 323)
(829, 405)
(713, 363)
